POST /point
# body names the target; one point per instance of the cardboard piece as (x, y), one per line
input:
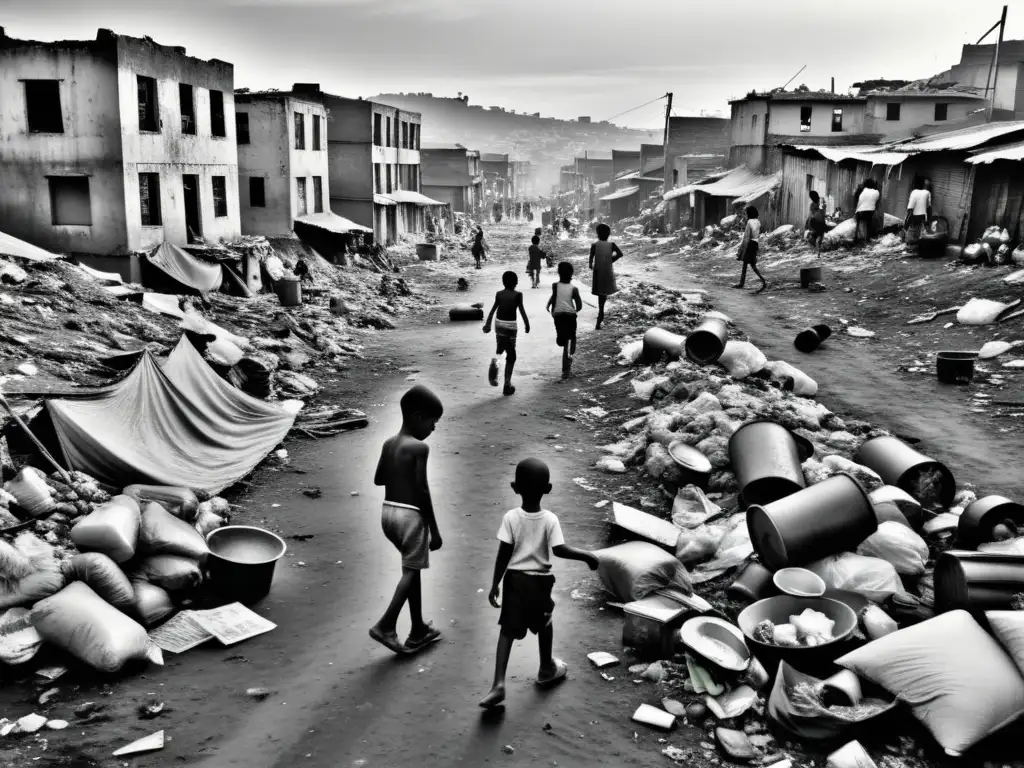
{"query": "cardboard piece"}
(657, 718)
(149, 743)
(648, 527)
(179, 634)
(600, 659)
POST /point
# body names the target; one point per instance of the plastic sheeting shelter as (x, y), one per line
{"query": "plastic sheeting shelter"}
(170, 267)
(180, 425)
(12, 246)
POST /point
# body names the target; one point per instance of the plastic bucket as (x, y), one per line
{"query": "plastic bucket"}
(693, 465)
(766, 459)
(832, 516)
(810, 275)
(955, 367)
(465, 313)
(810, 339)
(707, 342)
(900, 465)
(977, 581)
(982, 515)
(658, 342)
(242, 560)
(754, 583)
(289, 292)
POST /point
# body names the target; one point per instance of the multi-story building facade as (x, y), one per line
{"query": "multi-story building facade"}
(452, 175)
(115, 145)
(283, 172)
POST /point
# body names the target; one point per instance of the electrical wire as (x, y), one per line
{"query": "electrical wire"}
(634, 109)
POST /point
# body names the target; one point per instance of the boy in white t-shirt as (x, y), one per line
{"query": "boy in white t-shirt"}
(528, 535)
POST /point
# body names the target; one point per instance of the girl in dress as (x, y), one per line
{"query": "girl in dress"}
(602, 255)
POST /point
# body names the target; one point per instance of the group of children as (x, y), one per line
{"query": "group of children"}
(528, 537)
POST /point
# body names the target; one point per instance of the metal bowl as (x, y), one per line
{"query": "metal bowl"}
(778, 610)
(241, 561)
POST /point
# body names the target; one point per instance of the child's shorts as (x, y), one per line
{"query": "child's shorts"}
(526, 605)
(404, 527)
(565, 328)
(505, 332)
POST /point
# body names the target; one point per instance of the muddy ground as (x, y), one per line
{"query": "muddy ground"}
(335, 698)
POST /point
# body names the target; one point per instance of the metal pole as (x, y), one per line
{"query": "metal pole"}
(995, 63)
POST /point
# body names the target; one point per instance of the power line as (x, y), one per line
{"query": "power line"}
(634, 109)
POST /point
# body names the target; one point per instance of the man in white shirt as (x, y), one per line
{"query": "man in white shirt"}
(867, 202)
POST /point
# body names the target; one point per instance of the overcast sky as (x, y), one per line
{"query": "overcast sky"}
(563, 58)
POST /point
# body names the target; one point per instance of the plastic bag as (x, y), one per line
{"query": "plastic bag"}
(1017, 257)
(80, 622)
(162, 533)
(19, 640)
(898, 545)
(741, 358)
(152, 604)
(31, 492)
(103, 576)
(644, 390)
(223, 352)
(980, 312)
(699, 543)
(29, 571)
(112, 528)
(842, 233)
(171, 572)
(631, 351)
(180, 502)
(207, 521)
(875, 579)
(633, 570)
(876, 622)
(971, 253)
(691, 508)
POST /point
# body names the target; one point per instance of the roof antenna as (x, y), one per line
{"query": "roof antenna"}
(794, 77)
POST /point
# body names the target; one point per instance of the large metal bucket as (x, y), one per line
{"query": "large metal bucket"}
(242, 560)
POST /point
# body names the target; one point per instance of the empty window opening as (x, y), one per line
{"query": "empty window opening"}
(317, 146)
(892, 111)
(217, 127)
(405, 135)
(186, 94)
(753, 122)
(318, 194)
(376, 130)
(837, 120)
(396, 132)
(941, 112)
(242, 127)
(300, 130)
(377, 186)
(257, 192)
(69, 200)
(149, 199)
(300, 191)
(42, 102)
(387, 173)
(220, 196)
(149, 119)
(387, 136)
(805, 119)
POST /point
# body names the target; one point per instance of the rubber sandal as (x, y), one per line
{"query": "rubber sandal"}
(561, 670)
(431, 636)
(389, 641)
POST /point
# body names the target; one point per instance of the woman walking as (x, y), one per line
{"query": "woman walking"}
(479, 247)
(749, 247)
(816, 221)
(867, 200)
(602, 255)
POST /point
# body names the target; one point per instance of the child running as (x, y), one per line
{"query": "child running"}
(563, 305)
(528, 536)
(408, 517)
(534, 264)
(506, 303)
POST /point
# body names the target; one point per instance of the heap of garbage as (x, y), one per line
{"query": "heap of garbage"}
(794, 569)
(993, 249)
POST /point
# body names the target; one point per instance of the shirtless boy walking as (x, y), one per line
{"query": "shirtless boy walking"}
(408, 517)
(506, 303)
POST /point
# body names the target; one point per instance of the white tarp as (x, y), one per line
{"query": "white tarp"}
(12, 246)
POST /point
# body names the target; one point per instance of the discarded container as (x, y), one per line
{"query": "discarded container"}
(465, 313)
(811, 338)
(810, 275)
(778, 610)
(832, 516)
(427, 252)
(982, 515)
(658, 342)
(651, 625)
(976, 581)
(241, 561)
(955, 367)
(707, 342)
(842, 690)
(900, 465)
(693, 465)
(754, 583)
(934, 237)
(289, 292)
(766, 459)
(799, 582)
(716, 642)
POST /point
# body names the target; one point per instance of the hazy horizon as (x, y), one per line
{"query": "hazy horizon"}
(579, 57)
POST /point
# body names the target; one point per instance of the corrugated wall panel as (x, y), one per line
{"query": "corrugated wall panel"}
(998, 200)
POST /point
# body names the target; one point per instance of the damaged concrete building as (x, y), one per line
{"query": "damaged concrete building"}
(115, 145)
(451, 174)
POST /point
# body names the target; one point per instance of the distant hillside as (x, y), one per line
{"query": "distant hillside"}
(546, 141)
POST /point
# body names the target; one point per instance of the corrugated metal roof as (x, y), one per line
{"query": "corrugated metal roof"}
(864, 154)
(332, 222)
(740, 183)
(621, 193)
(672, 194)
(408, 196)
(963, 139)
(383, 200)
(1007, 152)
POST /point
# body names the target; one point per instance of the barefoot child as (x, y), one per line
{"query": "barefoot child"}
(602, 255)
(528, 536)
(534, 264)
(408, 517)
(563, 305)
(506, 303)
(749, 248)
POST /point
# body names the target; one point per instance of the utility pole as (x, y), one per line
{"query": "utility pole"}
(995, 64)
(668, 112)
